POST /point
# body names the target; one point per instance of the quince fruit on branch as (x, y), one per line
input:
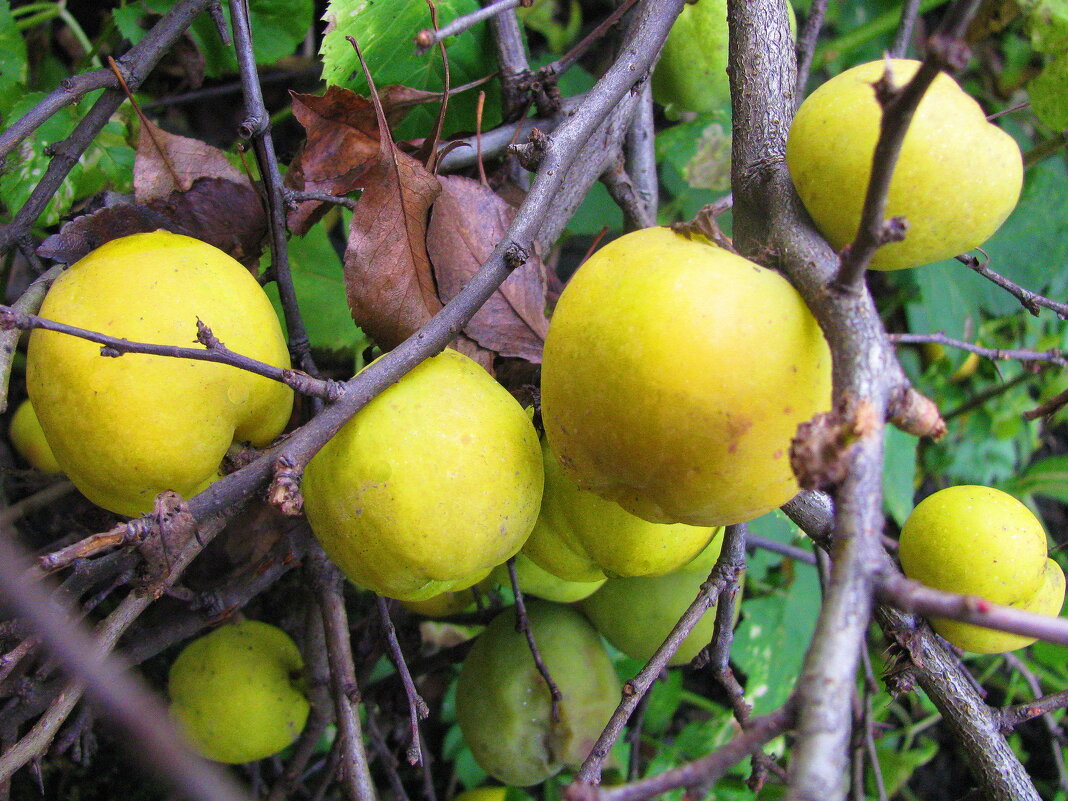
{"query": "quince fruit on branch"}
(980, 541)
(433, 483)
(503, 704)
(125, 429)
(28, 438)
(674, 378)
(956, 180)
(582, 537)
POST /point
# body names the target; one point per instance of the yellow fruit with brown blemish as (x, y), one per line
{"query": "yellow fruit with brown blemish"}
(674, 378)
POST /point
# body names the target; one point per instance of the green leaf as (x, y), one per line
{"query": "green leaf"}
(278, 26)
(319, 281)
(1049, 92)
(1047, 477)
(1047, 22)
(694, 159)
(899, 473)
(12, 61)
(664, 699)
(770, 643)
(898, 766)
(542, 17)
(386, 32)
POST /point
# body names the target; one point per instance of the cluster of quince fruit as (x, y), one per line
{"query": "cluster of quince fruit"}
(675, 376)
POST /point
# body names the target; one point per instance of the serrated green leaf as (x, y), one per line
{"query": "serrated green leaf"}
(386, 32)
(1049, 92)
(319, 281)
(12, 61)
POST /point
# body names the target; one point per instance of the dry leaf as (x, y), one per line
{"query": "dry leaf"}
(388, 279)
(89, 231)
(467, 222)
(166, 163)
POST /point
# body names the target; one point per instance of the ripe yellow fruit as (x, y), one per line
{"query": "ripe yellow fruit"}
(958, 176)
(637, 614)
(29, 440)
(503, 704)
(483, 794)
(237, 692)
(125, 429)
(981, 541)
(580, 536)
(675, 375)
(434, 482)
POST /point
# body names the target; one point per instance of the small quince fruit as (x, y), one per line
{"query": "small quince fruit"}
(434, 482)
(237, 692)
(956, 180)
(28, 438)
(125, 429)
(980, 541)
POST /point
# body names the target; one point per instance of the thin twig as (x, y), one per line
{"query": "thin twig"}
(256, 127)
(806, 45)
(293, 197)
(328, 582)
(522, 625)
(1031, 301)
(789, 551)
(429, 37)
(29, 302)
(1053, 356)
(213, 351)
(417, 708)
(910, 10)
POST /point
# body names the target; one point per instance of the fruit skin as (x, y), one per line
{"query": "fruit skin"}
(503, 705)
(675, 375)
(237, 692)
(691, 74)
(28, 437)
(483, 794)
(637, 614)
(128, 428)
(533, 580)
(958, 176)
(434, 482)
(582, 537)
(981, 541)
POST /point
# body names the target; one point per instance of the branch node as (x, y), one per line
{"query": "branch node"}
(285, 487)
(916, 414)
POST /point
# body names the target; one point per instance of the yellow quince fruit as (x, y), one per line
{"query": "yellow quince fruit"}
(125, 429)
(28, 438)
(434, 482)
(581, 537)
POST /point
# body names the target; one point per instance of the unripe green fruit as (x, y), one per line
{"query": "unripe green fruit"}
(981, 541)
(675, 375)
(237, 692)
(580, 536)
(533, 580)
(432, 484)
(691, 74)
(958, 176)
(503, 704)
(637, 614)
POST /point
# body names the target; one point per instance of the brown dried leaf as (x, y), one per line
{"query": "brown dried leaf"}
(468, 221)
(342, 144)
(166, 163)
(224, 213)
(89, 231)
(388, 278)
